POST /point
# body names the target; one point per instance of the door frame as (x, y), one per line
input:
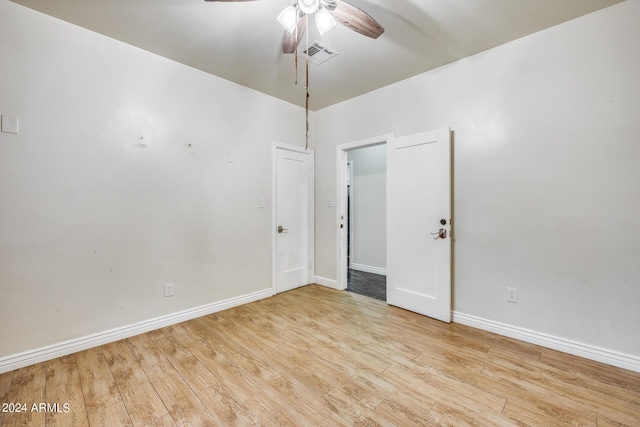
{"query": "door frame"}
(341, 203)
(275, 146)
(349, 217)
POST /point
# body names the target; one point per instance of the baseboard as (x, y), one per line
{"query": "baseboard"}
(614, 358)
(15, 361)
(329, 283)
(368, 269)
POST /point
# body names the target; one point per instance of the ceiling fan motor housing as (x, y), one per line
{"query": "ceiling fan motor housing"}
(309, 6)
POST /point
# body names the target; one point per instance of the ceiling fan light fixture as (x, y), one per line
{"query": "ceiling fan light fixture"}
(288, 18)
(324, 21)
(309, 6)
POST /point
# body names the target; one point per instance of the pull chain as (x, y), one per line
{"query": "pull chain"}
(296, 52)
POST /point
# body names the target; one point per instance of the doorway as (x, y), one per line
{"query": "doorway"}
(362, 217)
(418, 220)
(366, 221)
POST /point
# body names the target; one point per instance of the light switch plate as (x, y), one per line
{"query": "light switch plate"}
(9, 124)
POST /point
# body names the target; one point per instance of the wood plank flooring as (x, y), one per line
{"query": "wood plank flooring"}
(319, 357)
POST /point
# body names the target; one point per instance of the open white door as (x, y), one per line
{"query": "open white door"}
(293, 218)
(419, 223)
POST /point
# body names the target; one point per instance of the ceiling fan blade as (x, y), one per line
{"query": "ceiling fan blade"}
(356, 19)
(290, 42)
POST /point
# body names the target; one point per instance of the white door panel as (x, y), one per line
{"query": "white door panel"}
(293, 200)
(419, 198)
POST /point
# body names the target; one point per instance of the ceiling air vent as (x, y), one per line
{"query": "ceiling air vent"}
(318, 53)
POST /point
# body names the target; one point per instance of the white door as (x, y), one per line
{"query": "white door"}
(418, 223)
(293, 219)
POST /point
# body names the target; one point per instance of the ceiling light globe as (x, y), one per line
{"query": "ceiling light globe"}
(324, 21)
(288, 18)
(309, 6)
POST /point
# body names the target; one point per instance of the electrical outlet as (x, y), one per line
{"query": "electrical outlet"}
(168, 289)
(512, 295)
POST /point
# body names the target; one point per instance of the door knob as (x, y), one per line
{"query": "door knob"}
(281, 229)
(441, 234)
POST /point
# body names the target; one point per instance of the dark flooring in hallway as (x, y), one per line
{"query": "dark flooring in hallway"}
(367, 284)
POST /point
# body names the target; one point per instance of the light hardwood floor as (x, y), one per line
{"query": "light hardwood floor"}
(318, 357)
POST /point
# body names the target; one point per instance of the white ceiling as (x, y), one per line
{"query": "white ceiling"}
(242, 41)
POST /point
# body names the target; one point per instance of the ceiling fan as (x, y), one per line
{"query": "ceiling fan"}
(327, 12)
(294, 19)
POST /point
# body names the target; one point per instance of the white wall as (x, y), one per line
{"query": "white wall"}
(94, 219)
(546, 175)
(369, 216)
